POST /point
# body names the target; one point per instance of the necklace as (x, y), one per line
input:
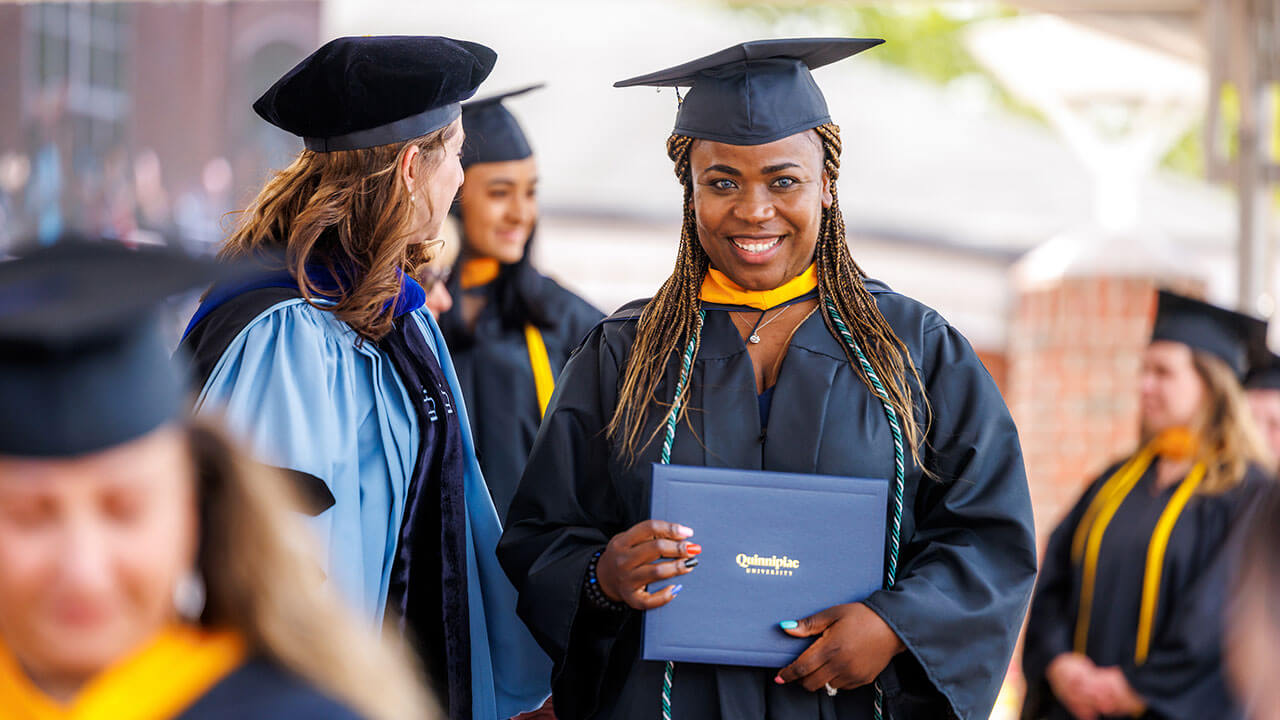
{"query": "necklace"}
(754, 338)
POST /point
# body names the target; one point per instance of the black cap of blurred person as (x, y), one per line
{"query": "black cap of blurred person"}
(1265, 374)
(84, 365)
(1230, 336)
(754, 92)
(361, 92)
(493, 133)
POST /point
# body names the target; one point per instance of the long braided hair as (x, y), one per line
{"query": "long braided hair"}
(670, 320)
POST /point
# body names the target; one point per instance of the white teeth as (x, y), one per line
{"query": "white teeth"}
(756, 247)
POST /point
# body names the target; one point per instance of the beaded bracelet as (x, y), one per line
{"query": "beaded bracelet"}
(592, 587)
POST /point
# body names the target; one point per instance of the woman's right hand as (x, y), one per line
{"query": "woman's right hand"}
(628, 564)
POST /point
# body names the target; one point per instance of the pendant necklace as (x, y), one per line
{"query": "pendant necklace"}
(754, 338)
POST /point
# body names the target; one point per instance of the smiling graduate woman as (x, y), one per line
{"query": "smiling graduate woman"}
(768, 348)
(511, 328)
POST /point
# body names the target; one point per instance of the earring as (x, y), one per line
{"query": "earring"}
(189, 596)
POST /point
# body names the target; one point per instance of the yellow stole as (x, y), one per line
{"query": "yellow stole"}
(1174, 444)
(482, 271)
(157, 682)
(717, 288)
(479, 271)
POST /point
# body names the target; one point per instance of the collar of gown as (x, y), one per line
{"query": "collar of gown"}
(718, 289)
(159, 680)
(478, 272)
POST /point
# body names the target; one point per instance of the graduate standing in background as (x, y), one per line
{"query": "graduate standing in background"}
(768, 348)
(1127, 616)
(511, 328)
(1262, 388)
(148, 569)
(329, 366)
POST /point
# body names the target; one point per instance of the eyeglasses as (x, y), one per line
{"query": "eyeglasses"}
(430, 276)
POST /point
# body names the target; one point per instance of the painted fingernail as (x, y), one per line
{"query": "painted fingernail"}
(778, 679)
(693, 548)
(788, 624)
(675, 590)
(691, 563)
(683, 531)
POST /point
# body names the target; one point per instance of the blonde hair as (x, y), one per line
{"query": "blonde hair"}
(347, 212)
(264, 582)
(669, 321)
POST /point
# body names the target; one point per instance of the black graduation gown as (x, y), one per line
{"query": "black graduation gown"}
(968, 553)
(1181, 678)
(262, 690)
(497, 380)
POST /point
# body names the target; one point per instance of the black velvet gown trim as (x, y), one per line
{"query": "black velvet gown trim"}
(428, 590)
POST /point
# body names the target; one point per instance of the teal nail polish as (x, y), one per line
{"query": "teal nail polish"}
(676, 590)
(788, 625)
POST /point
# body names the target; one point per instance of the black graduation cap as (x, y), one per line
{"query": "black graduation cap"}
(83, 361)
(360, 92)
(493, 134)
(1264, 375)
(1228, 335)
(755, 92)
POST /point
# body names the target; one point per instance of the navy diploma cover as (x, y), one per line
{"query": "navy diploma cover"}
(775, 546)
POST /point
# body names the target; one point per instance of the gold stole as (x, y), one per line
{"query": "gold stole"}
(1177, 443)
(157, 682)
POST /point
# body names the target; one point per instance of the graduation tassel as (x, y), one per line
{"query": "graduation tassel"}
(673, 417)
(899, 467)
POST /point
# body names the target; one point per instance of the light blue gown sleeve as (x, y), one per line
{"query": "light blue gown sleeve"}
(510, 673)
(303, 394)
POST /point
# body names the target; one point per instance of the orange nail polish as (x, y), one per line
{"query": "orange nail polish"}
(693, 549)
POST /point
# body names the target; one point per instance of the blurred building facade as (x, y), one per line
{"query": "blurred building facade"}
(129, 119)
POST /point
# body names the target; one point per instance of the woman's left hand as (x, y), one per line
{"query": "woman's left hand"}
(855, 646)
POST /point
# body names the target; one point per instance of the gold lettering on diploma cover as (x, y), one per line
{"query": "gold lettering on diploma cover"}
(771, 565)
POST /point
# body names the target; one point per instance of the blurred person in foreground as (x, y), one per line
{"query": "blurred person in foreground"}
(1126, 619)
(1262, 387)
(511, 328)
(1253, 627)
(148, 569)
(769, 349)
(329, 366)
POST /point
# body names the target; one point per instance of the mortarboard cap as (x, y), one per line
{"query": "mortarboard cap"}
(1265, 374)
(361, 92)
(83, 361)
(493, 134)
(756, 92)
(1230, 336)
